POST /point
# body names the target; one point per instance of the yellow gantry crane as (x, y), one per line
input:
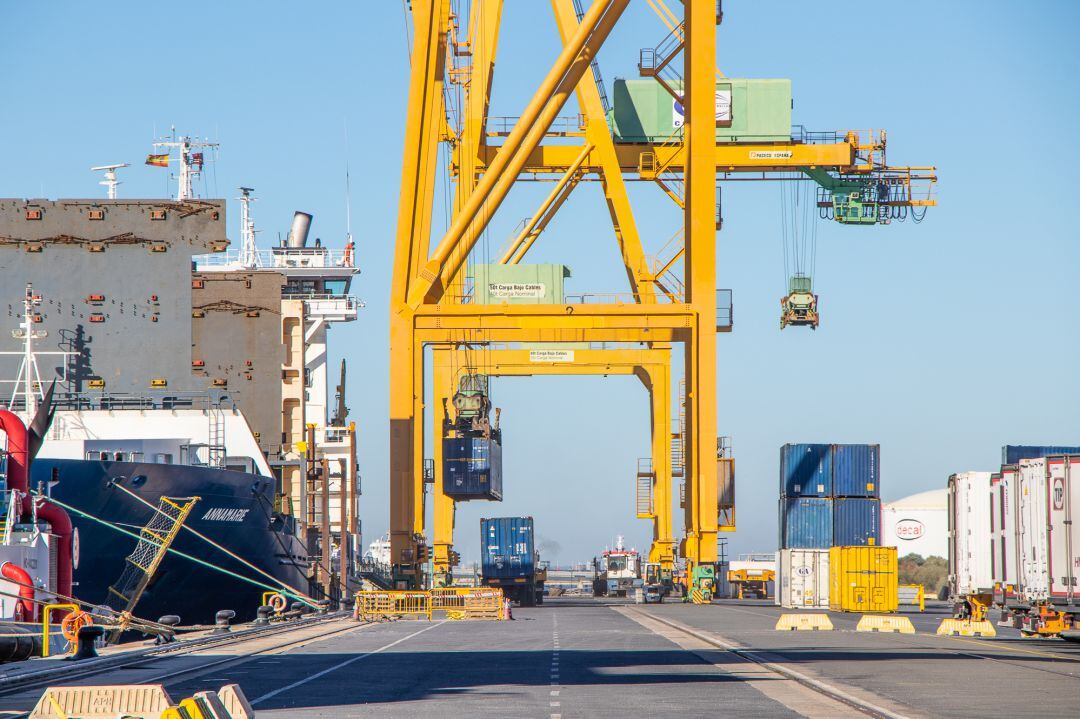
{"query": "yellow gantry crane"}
(651, 366)
(672, 298)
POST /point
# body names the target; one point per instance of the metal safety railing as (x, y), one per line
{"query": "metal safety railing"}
(725, 311)
(453, 602)
(912, 595)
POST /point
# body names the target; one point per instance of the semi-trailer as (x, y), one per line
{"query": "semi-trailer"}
(510, 560)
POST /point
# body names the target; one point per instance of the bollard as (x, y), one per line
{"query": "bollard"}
(323, 606)
(169, 620)
(262, 615)
(221, 621)
(299, 607)
(87, 636)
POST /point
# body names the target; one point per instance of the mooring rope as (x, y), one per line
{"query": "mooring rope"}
(208, 565)
(209, 541)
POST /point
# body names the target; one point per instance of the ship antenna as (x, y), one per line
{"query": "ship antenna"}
(110, 180)
(191, 163)
(348, 192)
(249, 253)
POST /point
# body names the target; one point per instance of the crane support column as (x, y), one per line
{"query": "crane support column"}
(424, 120)
(699, 141)
(657, 380)
(443, 382)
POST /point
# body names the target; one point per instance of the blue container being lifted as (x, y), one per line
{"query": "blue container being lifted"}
(856, 470)
(806, 470)
(472, 468)
(856, 521)
(806, 523)
(1013, 453)
(507, 549)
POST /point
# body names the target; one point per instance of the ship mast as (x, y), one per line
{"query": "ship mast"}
(191, 163)
(249, 253)
(28, 372)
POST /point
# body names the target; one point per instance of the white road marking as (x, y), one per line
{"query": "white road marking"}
(339, 665)
(828, 703)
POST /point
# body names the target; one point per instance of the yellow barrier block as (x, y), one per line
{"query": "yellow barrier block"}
(885, 623)
(966, 628)
(804, 622)
(102, 702)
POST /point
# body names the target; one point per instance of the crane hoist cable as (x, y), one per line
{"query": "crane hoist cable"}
(798, 228)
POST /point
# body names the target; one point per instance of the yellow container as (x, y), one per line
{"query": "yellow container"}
(863, 579)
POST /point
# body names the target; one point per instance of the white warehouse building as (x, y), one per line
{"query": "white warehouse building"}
(917, 524)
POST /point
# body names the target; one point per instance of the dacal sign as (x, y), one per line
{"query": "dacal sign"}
(910, 529)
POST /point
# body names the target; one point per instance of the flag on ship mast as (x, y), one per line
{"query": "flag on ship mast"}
(157, 160)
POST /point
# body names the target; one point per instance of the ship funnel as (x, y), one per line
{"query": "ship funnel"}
(301, 223)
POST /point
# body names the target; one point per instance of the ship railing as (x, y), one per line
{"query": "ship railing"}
(280, 258)
(163, 399)
(326, 301)
(336, 434)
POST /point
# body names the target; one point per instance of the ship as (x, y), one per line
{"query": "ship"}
(177, 368)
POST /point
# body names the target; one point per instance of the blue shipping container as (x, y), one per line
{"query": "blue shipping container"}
(472, 468)
(806, 470)
(806, 523)
(506, 546)
(856, 470)
(1013, 453)
(856, 522)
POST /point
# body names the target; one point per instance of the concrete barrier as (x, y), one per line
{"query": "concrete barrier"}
(966, 628)
(804, 622)
(885, 623)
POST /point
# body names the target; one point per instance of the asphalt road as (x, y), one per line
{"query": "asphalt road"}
(589, 658)
(560, 660)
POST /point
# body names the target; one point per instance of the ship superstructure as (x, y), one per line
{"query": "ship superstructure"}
(175, 359)
(314, 295)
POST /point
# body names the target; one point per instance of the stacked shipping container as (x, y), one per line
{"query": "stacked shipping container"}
(829, 496)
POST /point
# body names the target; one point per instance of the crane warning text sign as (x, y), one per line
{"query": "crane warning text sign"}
(517, 290)
(551, 355)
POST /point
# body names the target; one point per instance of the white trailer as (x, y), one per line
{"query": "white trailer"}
(1033, 578)
(804, 578)
(1063, 475)
(1047, 546)
(970, 543)
(1003, 519)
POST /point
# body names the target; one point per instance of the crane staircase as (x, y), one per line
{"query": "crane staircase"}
(644, 483)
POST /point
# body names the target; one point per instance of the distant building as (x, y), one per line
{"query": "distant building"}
(917, 524)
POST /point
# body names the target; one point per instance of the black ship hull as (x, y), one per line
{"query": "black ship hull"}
(235, 509)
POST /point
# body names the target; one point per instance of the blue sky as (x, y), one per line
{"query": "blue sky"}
(940, 341)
